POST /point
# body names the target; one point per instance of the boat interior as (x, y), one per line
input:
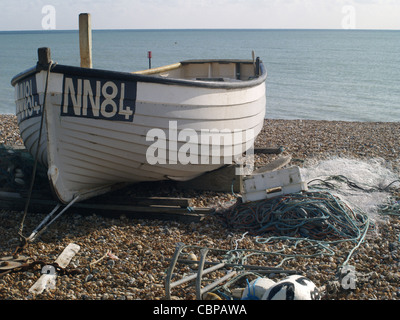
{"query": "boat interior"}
(208, 70)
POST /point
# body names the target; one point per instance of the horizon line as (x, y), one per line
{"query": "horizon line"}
(197, 29)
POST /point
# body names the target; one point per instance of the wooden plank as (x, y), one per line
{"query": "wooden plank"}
(159, 69)
(142, 201)
(269, 150)
(274, 165)
(14, 201)
(151, 201)
(66, 256)
(4, 195)
(225, 179)
(220, 180)
(48, 281)
(133, 208)
(85, 40)
(151, 212)
(147, 201)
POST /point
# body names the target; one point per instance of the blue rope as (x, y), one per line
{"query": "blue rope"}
(251, 295)
(313, 220)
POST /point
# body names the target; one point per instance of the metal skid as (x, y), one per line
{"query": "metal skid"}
(235, 270)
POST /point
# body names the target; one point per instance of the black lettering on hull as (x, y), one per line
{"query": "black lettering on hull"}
(27, 103)
(98, 98)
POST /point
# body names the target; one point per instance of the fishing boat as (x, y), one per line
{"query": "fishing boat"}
(96, 129)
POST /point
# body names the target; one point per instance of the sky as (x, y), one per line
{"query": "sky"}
(201, 14)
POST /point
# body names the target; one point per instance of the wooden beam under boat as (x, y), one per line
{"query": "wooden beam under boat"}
(159, 208)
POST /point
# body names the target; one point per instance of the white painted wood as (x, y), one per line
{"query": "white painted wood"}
(273, 183)
(198, 96)
(66, 256)
(48, 281)
(87, 156)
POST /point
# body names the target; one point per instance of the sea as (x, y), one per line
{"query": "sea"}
(344, 75)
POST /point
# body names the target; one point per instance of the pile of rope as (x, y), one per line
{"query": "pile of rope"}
(312, 215)
(390, 209)
(308, 222)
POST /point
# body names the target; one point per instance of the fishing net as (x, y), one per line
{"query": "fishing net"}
(332, 218)
(370, 184)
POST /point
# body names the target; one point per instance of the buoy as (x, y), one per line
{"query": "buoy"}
(295, 287)
(257, 288)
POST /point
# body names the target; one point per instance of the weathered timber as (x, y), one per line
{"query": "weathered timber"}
(224, 179)
(156, 208)
(274, 165)
(269, 150)
(85, 40)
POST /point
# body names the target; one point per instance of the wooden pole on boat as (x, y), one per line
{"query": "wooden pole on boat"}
(85, 40)
(44, 57)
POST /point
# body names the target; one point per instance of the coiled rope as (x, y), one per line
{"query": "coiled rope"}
(313, 215)
(310, 221)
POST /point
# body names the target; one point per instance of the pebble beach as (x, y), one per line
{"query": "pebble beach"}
(123, 258)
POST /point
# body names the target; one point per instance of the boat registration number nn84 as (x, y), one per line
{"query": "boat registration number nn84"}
(98, 98)
(27, 99)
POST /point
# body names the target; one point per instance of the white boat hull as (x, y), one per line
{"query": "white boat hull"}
(100, 132)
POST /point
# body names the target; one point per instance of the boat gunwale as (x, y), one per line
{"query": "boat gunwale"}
(128, 76)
